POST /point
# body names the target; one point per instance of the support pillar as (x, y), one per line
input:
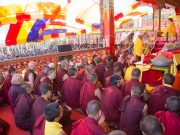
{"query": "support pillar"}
(108, 26)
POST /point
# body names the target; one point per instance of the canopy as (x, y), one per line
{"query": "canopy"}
(36, 20)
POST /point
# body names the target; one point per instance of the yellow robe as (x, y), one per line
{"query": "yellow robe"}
(138, 47)
(52, 128)
(128, 73)
(171, 29)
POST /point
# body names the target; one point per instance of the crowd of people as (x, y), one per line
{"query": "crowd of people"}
(105, 90)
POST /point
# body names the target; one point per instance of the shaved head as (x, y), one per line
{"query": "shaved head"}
(45, 69)
(92, 77)
(117, 69)
(32, 65)
(17, 79)
(72, 71)
(173, 104)
(90, 68)
(117, 132)
(93, 107)
(137, 90)
(64, 63)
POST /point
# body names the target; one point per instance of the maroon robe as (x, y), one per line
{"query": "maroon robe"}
(129, 84)
(71, 92)
(87, 126)
(39, 126)
(170, 121)
(111, 100)
(13, 94)
(157, 99)
(22, 111)
(37, 109)
(6, 87)
(61, 73)
(131, 114)
(27, 73)
(100, 70)
(37, 83)
(108, 72)
(87, 93)
(93, 62)
(85, 77)
(81, 74)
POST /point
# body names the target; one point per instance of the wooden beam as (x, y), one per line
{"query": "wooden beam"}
(175, 3)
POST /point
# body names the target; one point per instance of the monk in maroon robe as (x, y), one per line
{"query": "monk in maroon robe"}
(30, 75)
(41, 102)
(23, 106)
(121, 64)
(171, 118)
(111, 100)
(117, 73)
(132, 110)
(38, 79)
(109, 69)
(134, 80)
(89, 69)
(7, 83)
(71, 89)
(39, 126)
(62, 73)
(157, 99)
(90, 125)
(15, 89)
(100, 70)
(150, 125)
(93, 60)
(89, 91)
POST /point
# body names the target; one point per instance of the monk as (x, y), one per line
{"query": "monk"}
(121, 64)
(117, 73)
(171, 118)
(62, 73)
(81, 71)
(171, 29)
(176, 84)
(100, 70)
(138, 47)
(71, 89)
(112, 98)
(157, 99)
(93, 60)
(1, 82)
(53, 113)
(38, 79)
(132, 110)
(23, 106)
(117, 132)
(30, 74)
(39, 126)
(89, 69)
(134, 80)
(128, 72)
(7, 83)
(90, 125)
(15, 89)
(41, 102)
(150, 125)
(89, 91)
(109, 69)
(51, 76)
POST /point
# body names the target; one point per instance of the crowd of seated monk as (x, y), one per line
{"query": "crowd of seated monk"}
(106, 91)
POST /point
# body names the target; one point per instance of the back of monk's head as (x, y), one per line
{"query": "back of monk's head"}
(90, 68)
(136, 73)
(17, 79)
(64, 64)
(110, 64)
(72, 71)
(173, 104)
(114, 80)
(32, 65)
(11, 70)
(92, 77)
(117, 132)
(170, 19)
(137, 90)
(45, 88)
(150, 125)
(94, 56)
(27, 87)
(98, 60)
(168, 79)
(52, 112)
(93, 108)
